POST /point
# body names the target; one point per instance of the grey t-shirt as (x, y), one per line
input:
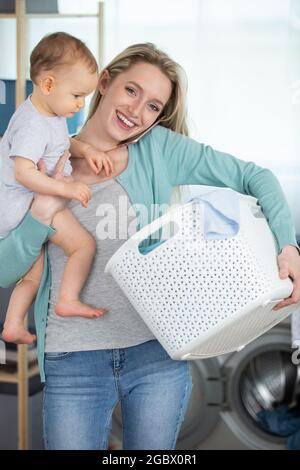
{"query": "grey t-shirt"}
(31, 135)
(109, 211)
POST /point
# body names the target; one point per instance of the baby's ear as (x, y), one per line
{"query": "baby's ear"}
(47, 84)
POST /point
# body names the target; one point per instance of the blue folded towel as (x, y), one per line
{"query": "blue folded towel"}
(221, 212)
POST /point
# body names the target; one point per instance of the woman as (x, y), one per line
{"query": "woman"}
(92, 364)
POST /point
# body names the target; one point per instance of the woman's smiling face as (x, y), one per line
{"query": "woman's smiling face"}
(132, 101)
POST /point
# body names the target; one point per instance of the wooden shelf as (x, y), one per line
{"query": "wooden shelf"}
(9, 378)
(8, 16)
(13, 377)
(23, 371)
(61, 15)
(13, 16)
(33, 370)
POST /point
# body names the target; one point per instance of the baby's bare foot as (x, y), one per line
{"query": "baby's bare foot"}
(75, 308)
(16, 333)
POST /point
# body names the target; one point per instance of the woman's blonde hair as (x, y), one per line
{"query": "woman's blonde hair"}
(174, 113)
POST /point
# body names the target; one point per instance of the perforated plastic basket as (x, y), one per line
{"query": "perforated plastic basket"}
(202, 298)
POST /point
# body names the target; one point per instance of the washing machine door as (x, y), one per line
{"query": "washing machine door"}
(203, 411)
(260, 377)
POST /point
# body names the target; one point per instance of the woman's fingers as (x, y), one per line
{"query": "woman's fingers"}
(294, 297)
(289, 266)
(283, 266)
(282, 304)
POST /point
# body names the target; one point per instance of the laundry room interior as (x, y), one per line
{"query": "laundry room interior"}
(220, 184)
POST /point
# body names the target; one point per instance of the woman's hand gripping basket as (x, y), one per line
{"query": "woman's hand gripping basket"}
(199, 297)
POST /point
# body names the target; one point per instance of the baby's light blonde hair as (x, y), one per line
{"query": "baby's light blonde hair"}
(174, 113)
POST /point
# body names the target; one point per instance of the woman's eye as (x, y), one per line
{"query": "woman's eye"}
(154, 108)
(131, 91)
(76, 96)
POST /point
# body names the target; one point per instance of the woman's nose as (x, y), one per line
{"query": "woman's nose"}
(135, 109)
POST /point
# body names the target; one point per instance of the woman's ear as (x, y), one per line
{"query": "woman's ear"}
(103, 82)
(47, 84)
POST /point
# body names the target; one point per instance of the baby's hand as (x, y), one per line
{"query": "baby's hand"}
(98, 161)
(77, 190)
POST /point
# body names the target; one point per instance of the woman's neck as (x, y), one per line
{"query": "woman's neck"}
(93, 134)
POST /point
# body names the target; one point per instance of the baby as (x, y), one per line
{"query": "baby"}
(63, 72)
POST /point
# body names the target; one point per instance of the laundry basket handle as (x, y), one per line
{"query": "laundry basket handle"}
(154, 226)
(145, 232)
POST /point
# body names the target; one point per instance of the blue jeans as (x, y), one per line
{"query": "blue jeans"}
(83, 388)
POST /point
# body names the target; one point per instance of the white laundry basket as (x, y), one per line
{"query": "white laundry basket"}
(202, 298)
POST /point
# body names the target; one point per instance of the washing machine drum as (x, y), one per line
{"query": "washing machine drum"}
(269, 380)
(261, 377)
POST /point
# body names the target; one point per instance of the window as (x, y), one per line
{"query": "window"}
(243, 66)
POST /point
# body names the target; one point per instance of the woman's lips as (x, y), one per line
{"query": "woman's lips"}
(121, 118)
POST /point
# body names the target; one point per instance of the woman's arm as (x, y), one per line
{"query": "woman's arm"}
(189, 162)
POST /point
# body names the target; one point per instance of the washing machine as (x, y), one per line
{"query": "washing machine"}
(230, 390)
(254, 379)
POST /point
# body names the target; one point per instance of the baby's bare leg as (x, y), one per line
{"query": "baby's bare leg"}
(22, 297)
(80, 247)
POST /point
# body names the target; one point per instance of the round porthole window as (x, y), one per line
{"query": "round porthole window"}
(262, 392)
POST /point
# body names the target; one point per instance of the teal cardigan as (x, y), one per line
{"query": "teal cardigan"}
(163, 159)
